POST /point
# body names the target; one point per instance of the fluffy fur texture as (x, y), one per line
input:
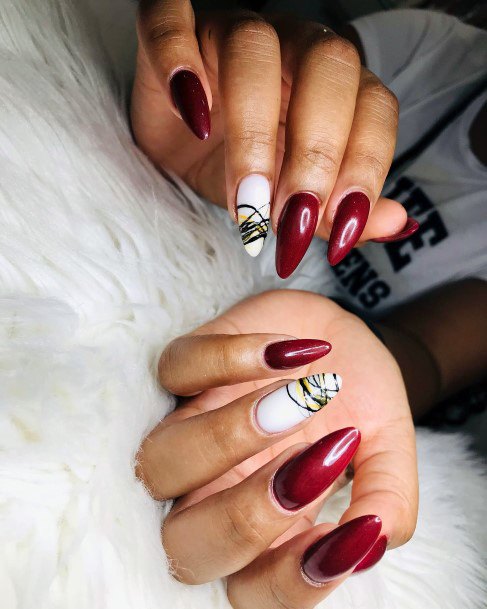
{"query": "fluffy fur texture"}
(102, 261)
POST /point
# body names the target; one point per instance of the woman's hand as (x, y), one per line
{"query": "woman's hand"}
(300, 131)
(219, 451)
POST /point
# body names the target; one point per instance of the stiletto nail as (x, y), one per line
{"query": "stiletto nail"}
(288, 354)
(305, 477)
(190, 99)
(348, 224)
(409, 229)
(341, 550)
(296, 229)
(373, 556)
(293, 403)
(253, 211)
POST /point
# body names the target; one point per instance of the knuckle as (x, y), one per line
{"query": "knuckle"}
(254, 35)
(336, 49)
(162, 36)
(253, 141)
(280, 597)
(372, 165)
(241, 529)
(324, 157)
(381, 95)
(166, 365)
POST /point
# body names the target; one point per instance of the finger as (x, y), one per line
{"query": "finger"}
(166, 30)
(385, 480)
(179, 457)
(364, 167)
(249, 81)
(325, 78)
(388, 217)
(305, 570)
(193, 363)
(231, 528)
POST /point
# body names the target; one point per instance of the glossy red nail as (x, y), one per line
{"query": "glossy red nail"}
(306, 476)
(190, 99)
(295, 231)
(341, 550)
(374, 555)
(348, 224)
(409, 229)
(288, 354)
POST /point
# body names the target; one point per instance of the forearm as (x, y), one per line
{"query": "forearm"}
(440, 341)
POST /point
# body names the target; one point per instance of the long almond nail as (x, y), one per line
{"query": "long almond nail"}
(341, 550)
(296, 229)
(348, 224)
(288, 354)
(290, 405)
(306, 476)
(253, 212)
(409, 229)
(190, 99)
(373, 556)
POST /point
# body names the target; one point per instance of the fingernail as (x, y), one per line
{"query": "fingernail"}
(190, 99)
(305, 477)
(373, 556)
(341, 550)
(288, 354)
(409, 229)
(296, 229)
(296, 401)
(348, 224)
(253, 211)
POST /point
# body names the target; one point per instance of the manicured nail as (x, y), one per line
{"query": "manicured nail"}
(253, 211)
(348, 224)
(341, 550)
(305, 477)
(288, 354)
(296, 229)
(409, 229)
(190, 99)
(374, 555)
(295, 402)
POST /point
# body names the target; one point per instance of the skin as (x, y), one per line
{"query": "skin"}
(318, 121)
(210, 455)
(321, 123)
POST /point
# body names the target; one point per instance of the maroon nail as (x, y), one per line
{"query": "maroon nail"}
(306, 476)
(288, 354)
(348, 224)
(295, 231)
(341, 550)
(190, 99)
(374, 555)
(409, 229)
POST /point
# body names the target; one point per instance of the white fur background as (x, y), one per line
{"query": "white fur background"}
(102, 261)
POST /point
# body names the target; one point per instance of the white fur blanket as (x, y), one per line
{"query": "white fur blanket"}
(102, 261)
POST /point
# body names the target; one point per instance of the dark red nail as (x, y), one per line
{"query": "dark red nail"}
(409, 229)
(341, 550)
(306, 476)
(288, 354)
(295, 231)
(190, 99)
(374, 555)
(348, 224)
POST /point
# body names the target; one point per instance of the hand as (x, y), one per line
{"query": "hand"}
(295, 122)
(219, 451)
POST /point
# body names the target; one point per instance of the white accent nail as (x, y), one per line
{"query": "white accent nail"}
(253, 211)
(291, 404)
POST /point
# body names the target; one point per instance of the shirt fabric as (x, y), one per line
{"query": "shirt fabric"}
(430, 61)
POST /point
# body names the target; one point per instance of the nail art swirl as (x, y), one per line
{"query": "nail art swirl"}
(253, 224)
(313, 392)
(291, 404)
